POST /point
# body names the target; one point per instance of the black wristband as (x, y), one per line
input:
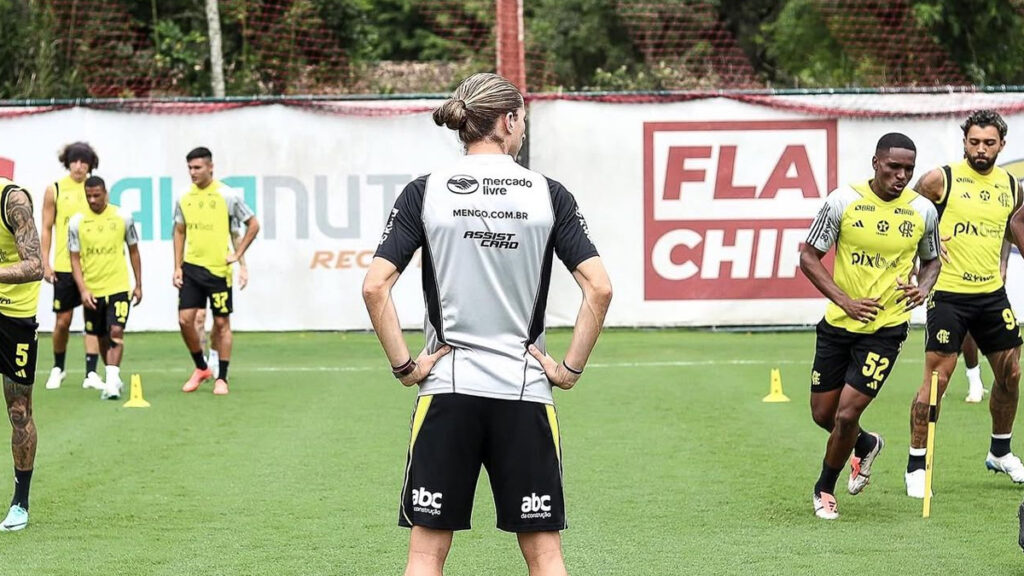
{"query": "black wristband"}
(404, 369)
(573, 370)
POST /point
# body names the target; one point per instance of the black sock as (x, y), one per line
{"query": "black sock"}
(223, 370)
(915, 462)
(22, 482)
(199, 360)
(1000, 446)
(58, 360)
(91, 362)
(827, 481)
(865, 443)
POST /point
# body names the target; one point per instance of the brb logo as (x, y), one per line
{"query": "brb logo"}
(425, 501)
(727, 205)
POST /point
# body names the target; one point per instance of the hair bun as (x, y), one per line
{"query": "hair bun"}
(451, 114)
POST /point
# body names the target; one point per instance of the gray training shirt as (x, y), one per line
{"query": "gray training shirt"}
(488, 228)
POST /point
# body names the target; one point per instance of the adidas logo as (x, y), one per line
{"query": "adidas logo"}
(966, 196)
(20, 373)
(858, 224)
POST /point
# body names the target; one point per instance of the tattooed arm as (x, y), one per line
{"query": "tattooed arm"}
(19, 214)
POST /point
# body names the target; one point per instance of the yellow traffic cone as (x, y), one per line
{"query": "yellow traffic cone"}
(135, 399)
(775, 391)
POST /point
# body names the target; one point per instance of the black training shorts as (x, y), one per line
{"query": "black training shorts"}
(110, 311)
(988, 317)
(18, 347)
(199, 285)
(863, 361)
(517, 441)
(65, 293)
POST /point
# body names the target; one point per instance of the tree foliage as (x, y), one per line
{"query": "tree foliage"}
(571, 45)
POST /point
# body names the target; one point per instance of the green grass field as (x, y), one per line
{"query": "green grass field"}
(673, 466)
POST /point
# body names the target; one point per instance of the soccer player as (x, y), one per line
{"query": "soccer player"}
(203, 260)
(62, 200)
(20, 272)
(212, 360)
(877, 228)
(96, 240)
(486, 269)
(975, 198)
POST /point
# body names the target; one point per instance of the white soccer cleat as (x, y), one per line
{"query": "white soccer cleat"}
(56, 377)
(112, 390)
(975, 394)
(915, 484)
(17, 519)
(213, 361)
(825, 506)
(860, 468)
(1007, 464)
(93, 380)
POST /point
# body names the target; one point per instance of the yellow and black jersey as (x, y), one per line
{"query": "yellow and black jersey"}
(973, 214)
(68, 199)
(208, 215)
(99, 240)
(876, 242)
(16, 300)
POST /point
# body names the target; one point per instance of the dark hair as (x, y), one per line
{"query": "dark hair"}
(983, 118)
(93, 181)
(79, 151)
(476, 104)
(201, 152)
(895, 140)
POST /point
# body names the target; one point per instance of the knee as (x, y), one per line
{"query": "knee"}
(824, 418)
(847, 419)
(541, 548)
(63, 320)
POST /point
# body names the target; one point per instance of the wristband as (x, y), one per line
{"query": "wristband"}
(404, 369)
(573, 370)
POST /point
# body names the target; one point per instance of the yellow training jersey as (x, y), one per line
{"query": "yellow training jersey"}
(974, 212)
(16, 300)
(207, 214)
(69, 199)
(876, 242)
(99, 240)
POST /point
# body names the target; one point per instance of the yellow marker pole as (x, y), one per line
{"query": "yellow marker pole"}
(929, 455)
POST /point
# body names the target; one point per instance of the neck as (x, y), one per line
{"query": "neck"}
(486, 147)
(884, 195)
(204, 185)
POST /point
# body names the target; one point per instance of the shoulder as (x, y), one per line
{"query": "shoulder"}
(75, 220)
(923, 206)
(933, 184)
(123, 214)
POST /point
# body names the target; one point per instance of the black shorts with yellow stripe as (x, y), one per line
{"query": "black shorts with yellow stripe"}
(988, 317)
(452, 435)
(110, 311)
(199, 286)
(863, 361)
(18, 347)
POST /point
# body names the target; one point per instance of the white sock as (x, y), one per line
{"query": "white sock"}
(974, 375)
(113, 373)
(918, 451)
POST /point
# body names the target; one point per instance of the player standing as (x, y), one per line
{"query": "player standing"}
(62, 200)
(96, 240)
(202, 262)
(486, 268)
(877, 228)
(21, 268)
(976, 199)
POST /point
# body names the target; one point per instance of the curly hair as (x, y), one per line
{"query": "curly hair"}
(79, 151)
(983, 118)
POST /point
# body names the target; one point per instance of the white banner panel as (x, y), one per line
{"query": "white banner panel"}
(698, 208)
(320, 184)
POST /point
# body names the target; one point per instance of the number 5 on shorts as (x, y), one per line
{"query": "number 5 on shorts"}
(220, 301)
(21, 354)
(875, 367)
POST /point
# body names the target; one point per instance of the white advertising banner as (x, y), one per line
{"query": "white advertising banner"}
(320, 184)
(698, 208)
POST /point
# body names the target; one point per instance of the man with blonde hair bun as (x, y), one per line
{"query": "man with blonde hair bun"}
(489, 229)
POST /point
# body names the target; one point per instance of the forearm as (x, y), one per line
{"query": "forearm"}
(384, 318)
(76, 272)
(179, 247)
(22, 272)
(819, 276)
(236, 241)
(928, 275)
(252, 228)
(136, 260)
(44, 244)
(589, 321)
